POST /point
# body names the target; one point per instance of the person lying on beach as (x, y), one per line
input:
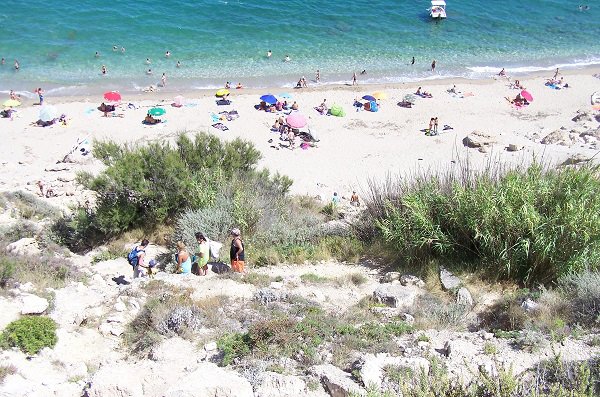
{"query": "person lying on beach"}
(151, 120)
(502, 73)
(7, 113)
(106, 108)
(322, 108)
(453, 90)
(423, 94)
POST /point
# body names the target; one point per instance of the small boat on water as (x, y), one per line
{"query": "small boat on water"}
(438, 9)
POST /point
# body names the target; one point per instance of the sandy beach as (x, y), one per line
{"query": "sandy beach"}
(351, 149)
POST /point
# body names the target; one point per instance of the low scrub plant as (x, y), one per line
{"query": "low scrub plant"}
(6, 370)
(531, 224)
(43, 271)
(30, 334)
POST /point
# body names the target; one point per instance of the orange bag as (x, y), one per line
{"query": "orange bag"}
(237, 266)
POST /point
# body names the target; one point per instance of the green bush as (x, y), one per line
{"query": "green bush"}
(233, 346)
(531, 225)
(30, 333)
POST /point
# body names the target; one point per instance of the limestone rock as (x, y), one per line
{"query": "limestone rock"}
(513, 147)
(449, 281)
(114, 329)
(576, 159)
(387, 312)
(529, 305)
(396, 295)
(407, 318)
(33, 304)
(269, 295)
(337, 382)
(116, 380)
(211, 346)
(390, 276)
(371, 367)
(560, 137)
(582, 115)
(210, 380)
(408, 279)
(478, 139)
(24, 246)
(463, 297)
(277, 385)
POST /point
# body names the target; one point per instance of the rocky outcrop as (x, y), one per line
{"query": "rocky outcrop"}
(396, 295)
(478, 139)
(337, 382)
(559, 137)
(408, 279)
(272, 384)
(32, 304)
(116, 380)
(463, 297)
(210, 380)
(371, 367)
(449, 281)
(24, 246)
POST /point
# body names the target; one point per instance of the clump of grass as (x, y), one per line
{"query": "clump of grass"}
(490, 348)
(43, 271)
(6, 370)
(530, 224)
(27, 206)
(311, 278)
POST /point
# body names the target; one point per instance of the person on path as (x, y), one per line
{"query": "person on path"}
(335, 200)
(237, 253)
(136, 258)
(203, 254)
(354, 201)
(433, 66)
(184, 260)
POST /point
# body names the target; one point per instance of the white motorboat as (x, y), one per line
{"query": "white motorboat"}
(438, 9)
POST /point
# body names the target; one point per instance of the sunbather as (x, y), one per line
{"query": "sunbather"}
(151, 120)
(322, 108)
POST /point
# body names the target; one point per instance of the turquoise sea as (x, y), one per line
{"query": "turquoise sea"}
(227, 40)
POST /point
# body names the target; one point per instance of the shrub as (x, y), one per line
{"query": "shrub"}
(582, 292)
(233, 346)
(531, 225)
(43, 271)
(30, 334)
(29, 206)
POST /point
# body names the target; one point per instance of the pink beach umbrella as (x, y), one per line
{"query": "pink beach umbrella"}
(112, 96)
(296, 120)
(527, 96)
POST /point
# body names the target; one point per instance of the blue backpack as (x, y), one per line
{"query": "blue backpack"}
(133, 257)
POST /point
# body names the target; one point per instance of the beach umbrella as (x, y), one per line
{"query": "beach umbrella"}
(48, 113)
(112, 96)
(296, 120)
(268, 98)
(11, 103)
(409, 98)
(156, 111)
(285, 95)
(222, 92)
(527, 96)
(380, 95)
(368, 98)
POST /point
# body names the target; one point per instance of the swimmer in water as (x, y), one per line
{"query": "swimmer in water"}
(115, 48)
(178, 64)
(97, 54)
(149, 72)
(123, 50)
(103, 70)
(148, 61)
(17, 66)
(167, 54)
(269, 53)
(287, 58)
(3, 61)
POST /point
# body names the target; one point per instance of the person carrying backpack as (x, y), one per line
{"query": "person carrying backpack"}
(136, 257)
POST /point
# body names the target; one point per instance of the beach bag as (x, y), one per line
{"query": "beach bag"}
(133, 258)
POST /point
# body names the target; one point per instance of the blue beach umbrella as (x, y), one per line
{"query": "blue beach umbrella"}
(368, 98)
(268, 98)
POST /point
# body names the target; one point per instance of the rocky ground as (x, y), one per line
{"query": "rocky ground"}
(93, 356)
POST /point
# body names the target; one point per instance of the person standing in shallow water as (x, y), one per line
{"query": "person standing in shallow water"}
(237, 253)
(433, 66)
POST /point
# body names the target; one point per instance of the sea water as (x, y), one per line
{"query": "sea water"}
(227, 40)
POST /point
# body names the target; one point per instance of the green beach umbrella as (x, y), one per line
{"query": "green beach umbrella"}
(156, 111)
(11, 103)
(337, 110)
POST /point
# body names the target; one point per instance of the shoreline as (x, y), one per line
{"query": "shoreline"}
(175, 87)
(164, 94)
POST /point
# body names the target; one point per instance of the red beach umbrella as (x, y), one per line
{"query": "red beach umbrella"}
(296, 120)
(112, 96)
(527, 96)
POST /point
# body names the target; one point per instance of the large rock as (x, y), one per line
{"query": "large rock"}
(409, 279)
(33, 304)
(371, 367)
(478, 139)
(463, 297)
(582, 115)
(116, 380)
(277, 385)
(396, 295)
(337, 382)
(24, 246)
(449, 281)
(560, 137)
(210, 380)
(576, 159)
(390, 276)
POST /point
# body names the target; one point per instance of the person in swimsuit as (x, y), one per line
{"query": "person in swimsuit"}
(269, 53)
(433, 66)
(237, 253)
(203, 254)
(184, 261)
(167, 54)
(40, 93)
(413, 61)
(354, 78)
(103, 70)
(163, 79)
(17, 65)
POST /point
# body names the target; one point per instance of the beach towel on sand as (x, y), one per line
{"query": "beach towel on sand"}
(220, 126)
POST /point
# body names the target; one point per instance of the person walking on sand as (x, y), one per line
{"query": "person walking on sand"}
(433, 66)
(354, 78)
(163, 80)
(318, 76)
(435, 126)
(40, 93)
(237, 253)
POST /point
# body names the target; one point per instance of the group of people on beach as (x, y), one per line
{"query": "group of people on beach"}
(187, 262)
